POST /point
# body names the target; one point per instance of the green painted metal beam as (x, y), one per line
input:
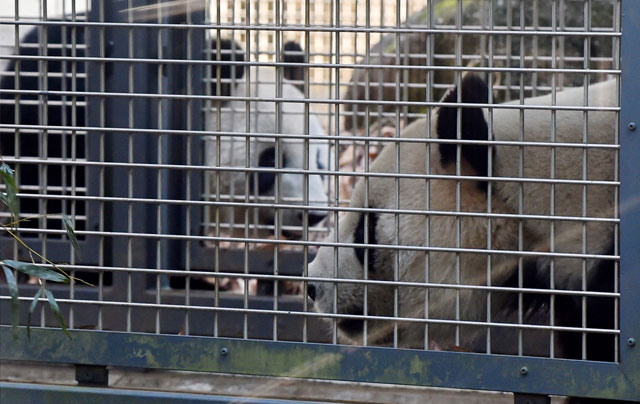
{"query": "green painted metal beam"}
(323, 361)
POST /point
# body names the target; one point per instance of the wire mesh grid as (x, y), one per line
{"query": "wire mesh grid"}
(207, 152)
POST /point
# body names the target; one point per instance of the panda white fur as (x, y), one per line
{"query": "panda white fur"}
(439, 267)
(262, 150)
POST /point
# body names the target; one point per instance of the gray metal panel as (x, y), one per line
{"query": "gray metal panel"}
(115, 113)
(321, 361)
(630, 194)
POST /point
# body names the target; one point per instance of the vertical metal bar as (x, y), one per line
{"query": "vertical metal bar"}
(247, 115)
(381, 80)
(217, 174)
(189, 162)
(405, 72)
(585, 139)
(561, 41)
(617, 51)
(207, 222)
(428, 97)
(396, 263)
(367, 223)
(102, 151)
(490, 171)
(535, 47)
(43, 144)
(279, 165)
(509, 51)
(159, 160)
(458, 80)
(521, 175)
(336, 178)
(552, 248)
(72, 210)
(131, 124)
(16, 111)
(306, 145)
(198, 83)
(257, 55)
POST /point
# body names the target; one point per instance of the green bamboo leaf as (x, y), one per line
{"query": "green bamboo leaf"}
(37, 271)
(13, 291)
(5, 199)
(7, 175)
(56, 310)
(9, 198)
(71, 233)
(32, 308)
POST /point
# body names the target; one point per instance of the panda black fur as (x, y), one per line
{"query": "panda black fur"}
(439, 267)
(30, 79)
(262, 151)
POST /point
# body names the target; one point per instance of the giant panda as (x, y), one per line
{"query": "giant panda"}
(488, 170)
(262, 150)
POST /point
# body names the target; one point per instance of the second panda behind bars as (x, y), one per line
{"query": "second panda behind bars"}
(444, 249)
(263, 125)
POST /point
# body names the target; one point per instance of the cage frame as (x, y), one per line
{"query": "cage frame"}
(543, 376)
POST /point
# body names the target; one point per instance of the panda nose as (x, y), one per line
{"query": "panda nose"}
(311, 291)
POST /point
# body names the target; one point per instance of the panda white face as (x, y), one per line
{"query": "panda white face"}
(445, 305)
(265, 152)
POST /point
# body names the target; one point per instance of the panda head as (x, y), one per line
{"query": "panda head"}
(383, 264)
(265, 119)
(387, 229)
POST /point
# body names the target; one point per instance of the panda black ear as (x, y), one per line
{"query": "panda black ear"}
(229, 51)
(474, 126)
(292, 53)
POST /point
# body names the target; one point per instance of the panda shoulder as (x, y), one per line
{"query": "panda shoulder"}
(417, 129)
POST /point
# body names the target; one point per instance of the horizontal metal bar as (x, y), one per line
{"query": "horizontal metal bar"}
(286, 136)
(300, 278)
(166, 236)
(55, 394)
(319, 28)
(160, 201)
(77, 217)
(55, 188)
(331, 101)
(184, 307)
(322, 361)
(49, 45)
(310, 65)
(407, 54)
(66, 74)
(69, 103)
(244, 170)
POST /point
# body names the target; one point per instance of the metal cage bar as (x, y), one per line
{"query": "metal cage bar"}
(144, 173)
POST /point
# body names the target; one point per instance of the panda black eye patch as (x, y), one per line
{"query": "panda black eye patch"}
(358, 238)
(267, 159)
